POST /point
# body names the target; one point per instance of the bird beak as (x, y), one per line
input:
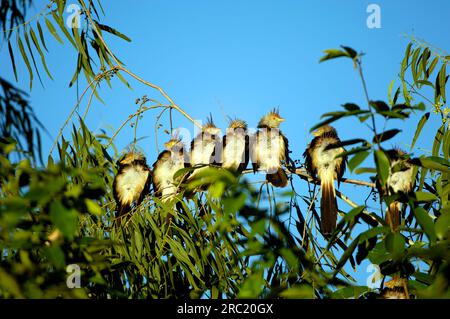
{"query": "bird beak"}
(280, 119)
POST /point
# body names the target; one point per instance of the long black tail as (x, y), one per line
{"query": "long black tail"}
(328, 206)
(278, 179)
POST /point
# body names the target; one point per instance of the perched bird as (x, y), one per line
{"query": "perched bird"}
(235, 152)
(400, 182)
(131, 183)
(168, 163)
(205, 147)
(270, 148)
(395, 289)
(322, 164)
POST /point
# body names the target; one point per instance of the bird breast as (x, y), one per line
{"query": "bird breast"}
(234, 152)
(325, 159)
(202, 152)
(401, 181)
(164, 174)
(269, 150)
(131, 183)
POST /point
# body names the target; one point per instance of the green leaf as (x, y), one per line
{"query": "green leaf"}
(415, 57)
(425, 196)
(426, 222)
(27, 41)
(25, 59)
(379, 106)
(391, 85)
(395, 243)
(352, 292)
(405, 62)
(432, 66)
(364, 170)
(356, 160)
(41, 35)
(65, 219)
(333, 54)
(438, 140)
(93, 207)
(379, 254)
(351, 107)
(446, 145)
(11, 55)
(36, 44)
(351, 53)
(382, 162)
(298, 292)
(62, 27)
(419, 128)
(56, 256)
(434, 163)
(442, 81)
(52, 30)
(442, 226)
(113, 31)
(386, 135)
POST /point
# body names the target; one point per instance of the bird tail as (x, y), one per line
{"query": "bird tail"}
(278, 179)
(328, 205)
(393, 215)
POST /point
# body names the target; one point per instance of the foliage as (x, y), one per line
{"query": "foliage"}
(233, 240)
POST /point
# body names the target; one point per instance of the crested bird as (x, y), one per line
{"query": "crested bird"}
(132, 182)
(235, 153)
(322, 164)
(400, 182)
(168, 163)
(205, 148)
(270, 148)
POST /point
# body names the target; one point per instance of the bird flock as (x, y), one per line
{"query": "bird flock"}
(268, 151)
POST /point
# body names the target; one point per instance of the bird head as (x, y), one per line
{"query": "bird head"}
(175, 143)
(324, 130)
(271, 119)
(237, 123)
(130, 158)
(210, 128)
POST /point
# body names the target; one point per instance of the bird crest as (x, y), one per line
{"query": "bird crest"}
(236, 123)
(271, 119)
(131, 157)
(210, 127)
(175, 140)
(325, 130)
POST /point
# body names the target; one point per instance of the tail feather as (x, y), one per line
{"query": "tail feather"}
(278, 179)
(393, 215)
(328, 206)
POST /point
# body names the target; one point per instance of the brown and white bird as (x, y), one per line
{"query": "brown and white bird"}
(270, 148)
(322, 164)
(205, 148)
(235, 152)
(169, 161)
(131, 183)
(400, 182)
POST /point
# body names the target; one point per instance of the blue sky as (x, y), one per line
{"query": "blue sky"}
(242, 58)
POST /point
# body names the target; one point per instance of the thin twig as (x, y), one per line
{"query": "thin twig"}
(96, 79)
(302, 173)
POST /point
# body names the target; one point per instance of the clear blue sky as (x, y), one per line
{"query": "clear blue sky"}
(241, 58)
